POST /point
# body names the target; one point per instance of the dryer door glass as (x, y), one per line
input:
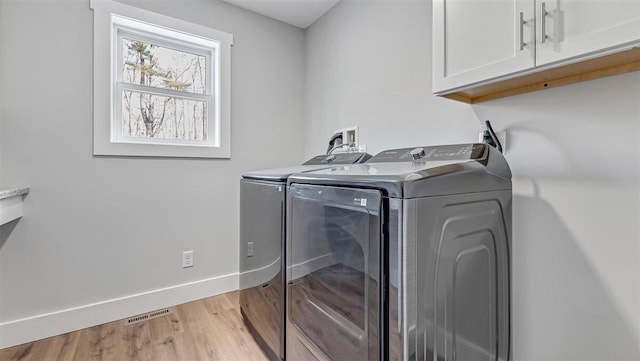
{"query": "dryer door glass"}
(333, 273)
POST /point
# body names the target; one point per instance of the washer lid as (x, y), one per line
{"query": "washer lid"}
(318, 162)
(421, 172)
(281, 174)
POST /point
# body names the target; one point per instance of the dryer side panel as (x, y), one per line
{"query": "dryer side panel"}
(261, 277)
(261, 231)
(462, 277)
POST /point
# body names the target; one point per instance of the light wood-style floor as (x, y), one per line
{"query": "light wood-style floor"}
(204, 330)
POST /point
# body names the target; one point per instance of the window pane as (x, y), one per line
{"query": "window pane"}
(159, 117)
(152, 65)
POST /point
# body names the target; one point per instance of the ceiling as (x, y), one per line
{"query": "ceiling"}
(300, 13)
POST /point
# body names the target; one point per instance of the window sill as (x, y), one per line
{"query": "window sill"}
(11, 203)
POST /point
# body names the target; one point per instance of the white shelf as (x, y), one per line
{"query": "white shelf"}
(11, 203)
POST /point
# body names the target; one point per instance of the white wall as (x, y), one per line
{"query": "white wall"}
(574, 152)
(97, 229)
(1, 91)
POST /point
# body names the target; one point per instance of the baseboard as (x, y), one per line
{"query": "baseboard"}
(37, 327)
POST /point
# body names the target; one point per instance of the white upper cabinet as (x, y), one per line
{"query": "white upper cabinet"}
(571, 28)
(475, 40)
(479, 42)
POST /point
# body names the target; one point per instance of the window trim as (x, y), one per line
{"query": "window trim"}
(107, 85)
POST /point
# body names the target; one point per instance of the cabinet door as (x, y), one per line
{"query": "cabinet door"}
(477, 40)
(572, 28)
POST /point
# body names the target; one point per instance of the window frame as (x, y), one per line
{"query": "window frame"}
(133, 30)
(114, 21)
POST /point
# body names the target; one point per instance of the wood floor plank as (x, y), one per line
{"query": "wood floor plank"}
(86, 349)
(17, 353)
(137, 343)
(232, 297)
(217, 304)
(237, 342)
(60, 348)
(210, 329)
(69, 345)
(101, 343)
(192, 339)
(163, 333)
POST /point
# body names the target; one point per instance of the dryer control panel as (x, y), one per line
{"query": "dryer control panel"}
(431, 153)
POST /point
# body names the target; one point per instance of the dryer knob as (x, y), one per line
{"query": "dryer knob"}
(417, 153)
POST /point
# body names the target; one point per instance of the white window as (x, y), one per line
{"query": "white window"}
(161, 85)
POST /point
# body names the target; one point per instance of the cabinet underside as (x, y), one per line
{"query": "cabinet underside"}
(600, 67)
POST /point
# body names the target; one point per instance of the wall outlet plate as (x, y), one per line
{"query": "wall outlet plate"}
(187, 259)
(349, 136)
(502, 137)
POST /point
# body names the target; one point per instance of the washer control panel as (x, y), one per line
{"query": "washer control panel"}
(338, 158)
(432, 153)
(417, 153)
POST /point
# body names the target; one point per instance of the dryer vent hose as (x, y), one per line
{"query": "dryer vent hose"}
(490, 137)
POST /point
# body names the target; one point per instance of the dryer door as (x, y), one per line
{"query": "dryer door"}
(333, 273)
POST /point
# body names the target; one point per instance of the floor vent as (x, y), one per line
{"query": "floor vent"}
(148, 316)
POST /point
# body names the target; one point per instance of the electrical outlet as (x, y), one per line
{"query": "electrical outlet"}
(502, 137)
(249, 249)
(187, 259)
(349, 136)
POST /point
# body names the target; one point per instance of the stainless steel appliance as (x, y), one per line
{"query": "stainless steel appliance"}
(262, 219)
(404, 257)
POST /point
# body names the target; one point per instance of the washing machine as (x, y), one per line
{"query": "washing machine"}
(262, 216)
(404, 257)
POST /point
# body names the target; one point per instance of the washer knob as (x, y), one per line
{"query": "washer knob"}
(417, 153)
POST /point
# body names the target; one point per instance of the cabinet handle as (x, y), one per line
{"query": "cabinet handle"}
(544, 22)
(522, 22)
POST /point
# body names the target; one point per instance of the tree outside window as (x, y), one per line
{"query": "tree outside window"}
(149, 115)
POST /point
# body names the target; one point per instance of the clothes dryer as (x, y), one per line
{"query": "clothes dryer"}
(404, 257)
(262, 231)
